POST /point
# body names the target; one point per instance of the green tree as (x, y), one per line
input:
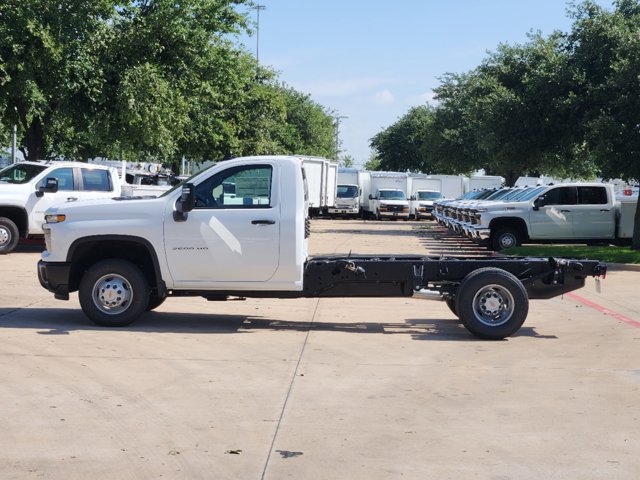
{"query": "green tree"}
(399, 147)
(605, 48)
(347, 161)
(307, 128)
(82, 78)
(373, 163)
(519, 110)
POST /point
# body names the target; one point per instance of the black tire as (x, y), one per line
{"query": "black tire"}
(155, 301)
(9, 235)
(505, 237)
(114, 293)
(492, 303)
(451, 303)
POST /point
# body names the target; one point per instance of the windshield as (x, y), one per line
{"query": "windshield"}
(429, 195)
(499, 194)
(531, 193)
(179, 185)
(392, 195)
(347, 191)
(20, 172)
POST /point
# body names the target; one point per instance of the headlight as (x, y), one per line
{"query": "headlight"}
(55, 218)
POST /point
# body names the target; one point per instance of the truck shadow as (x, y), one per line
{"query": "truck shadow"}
(51, 321)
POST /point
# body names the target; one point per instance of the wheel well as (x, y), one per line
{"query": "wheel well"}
(517, 224)
(18, 216)
(137, 251)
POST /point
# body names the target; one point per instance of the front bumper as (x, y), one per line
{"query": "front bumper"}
(55, 277)
(344, 210)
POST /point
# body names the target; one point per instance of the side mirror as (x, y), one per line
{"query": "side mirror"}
(370, 197)
(185, 203)
(539, 202)
(412, 197)
(50, 186)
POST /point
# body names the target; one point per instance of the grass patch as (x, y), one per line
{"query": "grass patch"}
(608, 254)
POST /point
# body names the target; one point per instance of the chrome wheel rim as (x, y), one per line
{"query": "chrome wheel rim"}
(493, 305)
(5, 236)
(112, 294)
(507, 241)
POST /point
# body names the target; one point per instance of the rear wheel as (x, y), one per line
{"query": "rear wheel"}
(492, 303)
(114, 293)
(9, 235)
(451, 303)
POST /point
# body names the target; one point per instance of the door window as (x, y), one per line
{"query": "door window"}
(592, 195)
(561, 196)
(95, 180)
(64, 177)
(236, 187)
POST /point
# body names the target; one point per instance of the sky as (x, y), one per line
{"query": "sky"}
(371, 61)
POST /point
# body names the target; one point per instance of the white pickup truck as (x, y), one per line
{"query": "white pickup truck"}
(124, 256)
(25, 194)
(576, 213)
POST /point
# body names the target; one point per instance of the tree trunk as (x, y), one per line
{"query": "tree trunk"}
(34, 140)
(635, 242)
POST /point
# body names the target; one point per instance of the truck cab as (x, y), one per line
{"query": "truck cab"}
(28, 189)
(347, 200)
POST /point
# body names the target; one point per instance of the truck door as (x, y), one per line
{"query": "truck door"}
(232, 234)
(594, 214)
(554, 219)
(38, 205)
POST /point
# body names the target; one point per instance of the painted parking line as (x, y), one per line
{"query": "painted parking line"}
(606, 311)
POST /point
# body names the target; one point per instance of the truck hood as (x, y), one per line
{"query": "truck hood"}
(14, 191)
(116, 207)
(394, 202)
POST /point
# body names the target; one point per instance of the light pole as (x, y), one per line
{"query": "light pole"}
(258, 7)
(13, 139)
(337, 133)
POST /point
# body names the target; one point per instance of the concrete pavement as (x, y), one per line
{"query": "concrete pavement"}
(319, 389)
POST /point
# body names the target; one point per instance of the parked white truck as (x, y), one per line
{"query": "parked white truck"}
(348, 193)
(25, 194)
(424, 190)
(322, 176)
(386, 193)
(453, 186)
(126, 256)
(576, 213)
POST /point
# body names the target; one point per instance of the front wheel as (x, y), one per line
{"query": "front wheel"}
(505, 238)
(155, 301)
(114, 293)
(492, 303)
(9, 235)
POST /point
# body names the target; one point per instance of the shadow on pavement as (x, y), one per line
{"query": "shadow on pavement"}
(51, 321)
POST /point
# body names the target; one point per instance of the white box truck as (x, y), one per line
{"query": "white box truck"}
(423, 191)
(452, 186)
(348, 192)
(388, 195)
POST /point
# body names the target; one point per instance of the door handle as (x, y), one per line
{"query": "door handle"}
(605, 210)
(262, 222)
(565, 211)
(72, 199)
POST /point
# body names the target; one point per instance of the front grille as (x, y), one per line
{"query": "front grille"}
(393, 208)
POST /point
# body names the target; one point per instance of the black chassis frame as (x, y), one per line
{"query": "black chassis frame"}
(403, 275)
